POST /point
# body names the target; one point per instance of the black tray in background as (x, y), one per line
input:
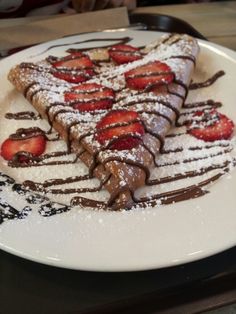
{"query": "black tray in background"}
(28, 287)
(165, 23)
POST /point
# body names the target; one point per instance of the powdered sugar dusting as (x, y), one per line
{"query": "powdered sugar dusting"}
(181, 154)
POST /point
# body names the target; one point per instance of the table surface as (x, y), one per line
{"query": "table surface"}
(27, 287)
(216, 20)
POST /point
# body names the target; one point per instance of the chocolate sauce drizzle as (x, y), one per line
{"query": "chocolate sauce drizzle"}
(192, 191)
(26, 133)
(22, 115)
(39, 161)
(208, 103)
(177, 195)
(208, 82)
(164, 198)
(121, 40)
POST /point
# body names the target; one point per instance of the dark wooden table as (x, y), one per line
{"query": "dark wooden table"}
(215, 20)
(27, 287)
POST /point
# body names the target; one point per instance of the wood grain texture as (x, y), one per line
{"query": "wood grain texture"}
(216, 20)
(34, 32)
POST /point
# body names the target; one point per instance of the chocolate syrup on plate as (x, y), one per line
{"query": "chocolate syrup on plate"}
(192, 191)
(120, 40)
(208, 82)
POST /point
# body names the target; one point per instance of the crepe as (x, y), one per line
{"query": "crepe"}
(121, 172)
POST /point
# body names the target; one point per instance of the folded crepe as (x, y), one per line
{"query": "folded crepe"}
(138, 102)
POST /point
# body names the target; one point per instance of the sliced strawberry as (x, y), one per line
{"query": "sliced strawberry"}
(90, 97)
(34, 145)
(74, 76)
(74, 68)
(149, 76)
(72, 61)
(211, 126)
(121, 54)
(121, 129)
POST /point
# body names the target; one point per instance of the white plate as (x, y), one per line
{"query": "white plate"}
(134, 240)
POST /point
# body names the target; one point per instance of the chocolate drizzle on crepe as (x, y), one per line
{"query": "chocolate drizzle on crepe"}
(192, 191)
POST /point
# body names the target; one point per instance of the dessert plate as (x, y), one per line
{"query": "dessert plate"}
(140, 239)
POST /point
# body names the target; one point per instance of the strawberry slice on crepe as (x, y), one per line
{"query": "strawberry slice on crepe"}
(211, 126)
(121, 54)
(149, 76)
(121, 129)
(23, 142)
(74, 68)
(90, 97)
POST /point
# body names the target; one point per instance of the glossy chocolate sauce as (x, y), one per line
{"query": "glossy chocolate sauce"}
(187, 174)
(166, 198)
(174, 196)
(120, 40)
(22, 115)
(208, 103)
(193, 108)
(192, 191)
(208, 82)
(26, 133)
(171, 196)
(39, 161)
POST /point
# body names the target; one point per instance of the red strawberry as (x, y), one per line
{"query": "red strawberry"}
(74, 76)
(74, 68)
(149, 76)
(121, 128)
(121, 54)
(72, 61)
(211, 126)
(33, 145)
(90, 97)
